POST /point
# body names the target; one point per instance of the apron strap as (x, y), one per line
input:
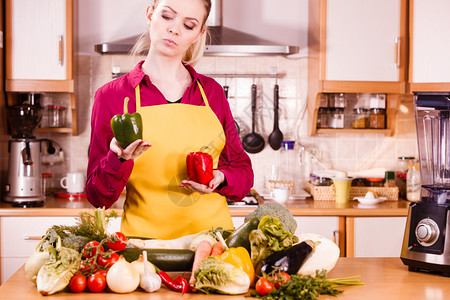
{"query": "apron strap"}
(203, 94)
(138, 95)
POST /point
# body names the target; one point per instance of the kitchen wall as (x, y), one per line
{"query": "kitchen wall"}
(285, 21)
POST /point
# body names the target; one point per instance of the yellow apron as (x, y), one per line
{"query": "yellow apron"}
(155, 206)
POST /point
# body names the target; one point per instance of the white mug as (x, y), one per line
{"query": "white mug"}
(280, 193)
(73, 182)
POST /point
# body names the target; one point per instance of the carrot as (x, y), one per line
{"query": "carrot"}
(217, 249)
(203, 251)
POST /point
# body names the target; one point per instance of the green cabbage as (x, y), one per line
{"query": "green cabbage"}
(216, 276)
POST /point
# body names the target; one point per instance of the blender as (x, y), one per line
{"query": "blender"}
(426, 242)
(24, 180)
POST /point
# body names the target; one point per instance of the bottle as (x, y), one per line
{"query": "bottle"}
(403, 163)
(413, 183)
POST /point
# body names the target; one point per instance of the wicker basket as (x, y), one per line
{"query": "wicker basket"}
(327, 192)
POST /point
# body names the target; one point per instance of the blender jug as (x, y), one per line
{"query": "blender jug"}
(433, 134)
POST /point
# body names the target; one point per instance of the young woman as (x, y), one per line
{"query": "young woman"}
(182, 111)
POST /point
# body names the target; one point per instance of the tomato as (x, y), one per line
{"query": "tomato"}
(281, 278)
(96, 283)
(103, 272)
(107, 260)
(90, 249)
(263, 286)
(117, 241)
(88, 267)
(77, 283)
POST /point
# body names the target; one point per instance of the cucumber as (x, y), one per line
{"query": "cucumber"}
(164, 259)
(239, 237)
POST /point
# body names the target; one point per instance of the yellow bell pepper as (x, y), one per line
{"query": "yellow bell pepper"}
(239, 257)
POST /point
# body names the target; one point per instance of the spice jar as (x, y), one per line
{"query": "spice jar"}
(322, 118)
(377, 118)
(360, 118)
(56, 116)
(336, 118)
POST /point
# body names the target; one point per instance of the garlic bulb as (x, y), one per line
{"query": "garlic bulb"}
(139, 265)
(122, 277)
(150, 281)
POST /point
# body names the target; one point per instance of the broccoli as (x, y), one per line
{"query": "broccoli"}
(274, 210)
(74, 242)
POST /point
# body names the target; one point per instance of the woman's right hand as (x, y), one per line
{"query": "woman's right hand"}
(133, 150)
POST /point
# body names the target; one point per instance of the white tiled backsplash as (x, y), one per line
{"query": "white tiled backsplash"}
(348, 152)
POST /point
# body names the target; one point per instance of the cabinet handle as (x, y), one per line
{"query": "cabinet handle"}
(32, 238)
(397, 52)
(60, 45)
(336, 237)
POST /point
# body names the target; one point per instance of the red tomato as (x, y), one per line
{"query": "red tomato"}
(281, 278)
(77, 283)
(107, 260)
(90, 249)
(103, 272)
(117, 241)
(96, 283)
(88, 267)
(263, 286)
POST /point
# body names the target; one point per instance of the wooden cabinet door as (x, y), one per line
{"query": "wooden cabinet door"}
(429, 44)
(363, 40)
(36, 39)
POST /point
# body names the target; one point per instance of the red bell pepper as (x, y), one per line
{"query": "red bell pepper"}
(199, 167)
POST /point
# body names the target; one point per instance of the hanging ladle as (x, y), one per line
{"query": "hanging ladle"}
(253, 142)
(276, 137)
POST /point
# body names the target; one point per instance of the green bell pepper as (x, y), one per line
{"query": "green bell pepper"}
(127, 127)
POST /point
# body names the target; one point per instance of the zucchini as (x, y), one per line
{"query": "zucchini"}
(239, 237)
(164, 259)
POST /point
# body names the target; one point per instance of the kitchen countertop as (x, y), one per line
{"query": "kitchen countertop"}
(384, 278)
(308, 207)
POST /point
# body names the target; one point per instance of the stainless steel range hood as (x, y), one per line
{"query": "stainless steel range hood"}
(223, 41)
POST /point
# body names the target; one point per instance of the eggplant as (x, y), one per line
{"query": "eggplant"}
(289, 260)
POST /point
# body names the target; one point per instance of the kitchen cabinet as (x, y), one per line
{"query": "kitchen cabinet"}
(429, 60)
(19, 238)
(357, 47)
(375, 236)
(39, 51)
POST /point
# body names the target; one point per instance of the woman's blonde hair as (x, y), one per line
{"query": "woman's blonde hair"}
(192, 54)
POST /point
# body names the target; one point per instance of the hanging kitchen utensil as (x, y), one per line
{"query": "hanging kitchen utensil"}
(253, 142)
(276, 137)
(225, 91)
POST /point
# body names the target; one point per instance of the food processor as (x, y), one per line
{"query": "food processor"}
(24, 181)
(426, 242)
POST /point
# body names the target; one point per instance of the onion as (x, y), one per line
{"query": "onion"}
(122, 277)
(139, 265)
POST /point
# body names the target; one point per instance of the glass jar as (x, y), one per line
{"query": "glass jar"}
(413, 183)
(389, 179)
(336, 118)
(322, 118)
(377, 118)
(286, 166)
(360, 118)
(56, 116)
(46, 184)
(403, 164)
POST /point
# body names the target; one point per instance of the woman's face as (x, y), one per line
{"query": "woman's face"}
(175, 25)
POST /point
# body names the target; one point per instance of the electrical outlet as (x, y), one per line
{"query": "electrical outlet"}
(314, 151)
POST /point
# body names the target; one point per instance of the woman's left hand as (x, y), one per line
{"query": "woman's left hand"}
(202, 188)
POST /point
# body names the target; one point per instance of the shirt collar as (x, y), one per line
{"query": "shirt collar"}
(136, 75)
